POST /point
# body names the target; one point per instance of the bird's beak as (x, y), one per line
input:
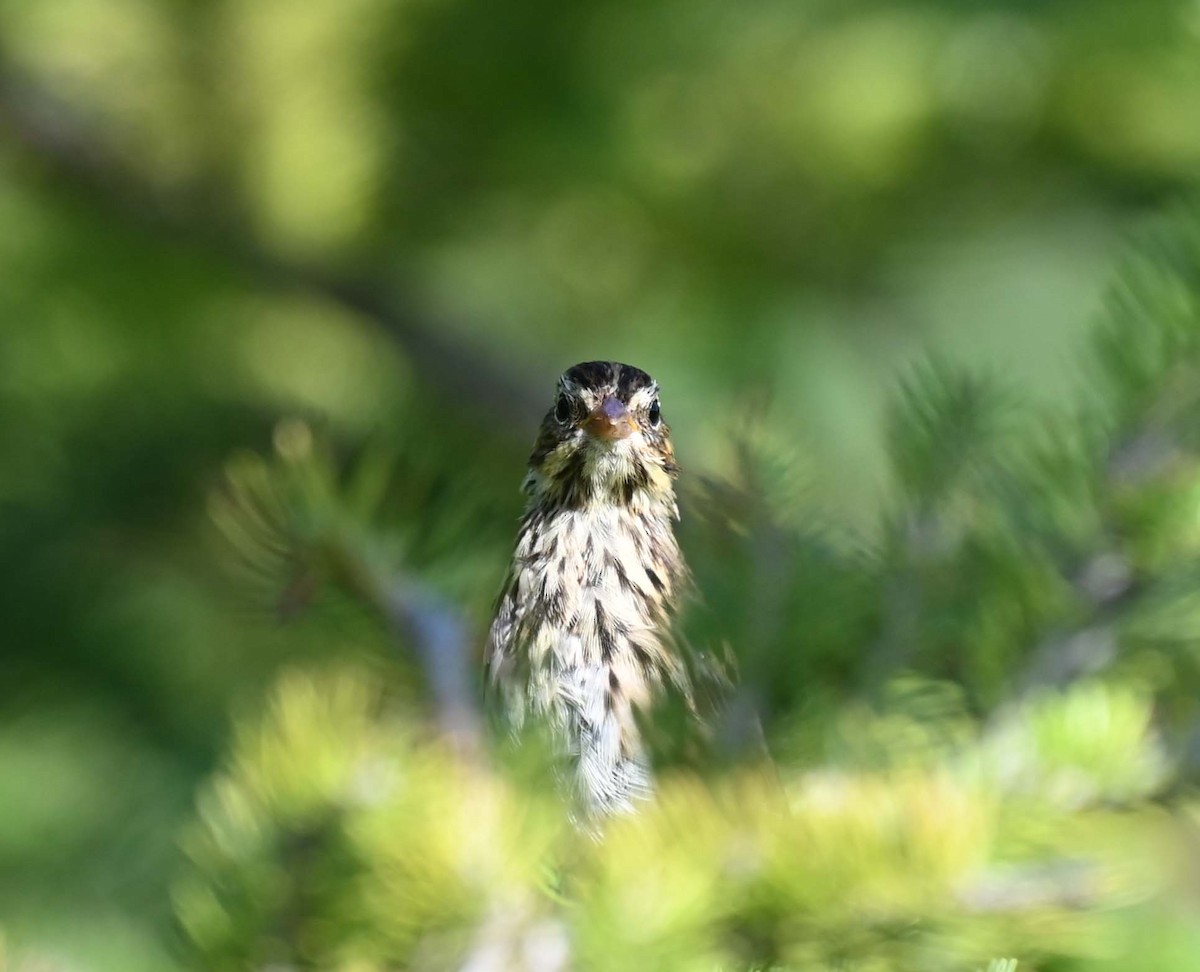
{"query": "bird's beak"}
(610, 420)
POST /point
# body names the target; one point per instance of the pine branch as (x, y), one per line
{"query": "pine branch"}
(440, 637)
(289, 524)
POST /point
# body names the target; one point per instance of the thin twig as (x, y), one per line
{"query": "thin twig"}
(440, 636)
(433, 627)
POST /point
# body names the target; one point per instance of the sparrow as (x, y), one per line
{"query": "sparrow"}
(581, 637)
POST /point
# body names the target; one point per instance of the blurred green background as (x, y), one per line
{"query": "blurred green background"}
(397, 222)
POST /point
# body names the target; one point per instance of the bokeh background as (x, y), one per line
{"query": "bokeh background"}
(379, 230)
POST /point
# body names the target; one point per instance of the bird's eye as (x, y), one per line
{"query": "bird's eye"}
(655, 414)
(562, 410)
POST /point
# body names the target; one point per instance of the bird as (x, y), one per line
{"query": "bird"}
(581, 637)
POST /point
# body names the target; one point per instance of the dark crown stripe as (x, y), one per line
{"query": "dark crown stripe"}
(595, 375)
(631, 380)
(591, 374)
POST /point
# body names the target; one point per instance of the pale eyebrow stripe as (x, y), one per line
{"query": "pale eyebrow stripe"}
(646, 395)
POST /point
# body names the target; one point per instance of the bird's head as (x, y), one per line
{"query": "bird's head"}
(603, 440)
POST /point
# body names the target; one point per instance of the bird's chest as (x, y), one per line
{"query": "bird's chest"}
(590, 586)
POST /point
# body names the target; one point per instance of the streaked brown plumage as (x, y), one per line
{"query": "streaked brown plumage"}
(582, 626)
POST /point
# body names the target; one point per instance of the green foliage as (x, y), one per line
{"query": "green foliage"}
(302, 522)
(965, 608)
(947, 433)
(336, 838)
(982, 780)
(337, 835)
